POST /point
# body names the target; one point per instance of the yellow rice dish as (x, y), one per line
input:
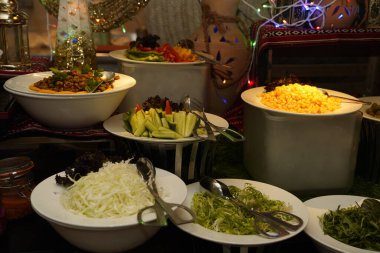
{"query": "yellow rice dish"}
(301, 99)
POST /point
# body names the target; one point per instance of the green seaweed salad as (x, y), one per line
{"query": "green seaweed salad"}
(357, 226)
(221, 215)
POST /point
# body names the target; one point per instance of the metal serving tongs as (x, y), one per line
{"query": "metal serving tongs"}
(194, 106)
(189, 44)
(278, 227)
(160, 207)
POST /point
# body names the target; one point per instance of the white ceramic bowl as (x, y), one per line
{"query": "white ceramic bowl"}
(374, 99)
(101, 234)
(317, 207)
(67, 111)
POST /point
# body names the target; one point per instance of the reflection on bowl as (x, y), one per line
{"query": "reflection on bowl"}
(101, 234)
(67, 111)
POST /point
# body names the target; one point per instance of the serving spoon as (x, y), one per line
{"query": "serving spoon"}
(279, 227)
(349, 99)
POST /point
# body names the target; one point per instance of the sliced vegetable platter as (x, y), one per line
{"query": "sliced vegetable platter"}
(158, 123)
(116, 125)
(319, 206)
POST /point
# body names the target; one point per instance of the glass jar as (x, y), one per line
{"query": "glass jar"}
(16, 185)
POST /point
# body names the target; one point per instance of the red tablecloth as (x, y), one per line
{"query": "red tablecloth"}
(270, 36)
(21, 124)
(38, 64)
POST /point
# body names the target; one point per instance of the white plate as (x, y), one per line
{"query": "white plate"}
(115, 125)
(20, 85)
(252, 97)
(365, 107)
(319, 206)
(46, 202)
(120, 55)
(273, 192)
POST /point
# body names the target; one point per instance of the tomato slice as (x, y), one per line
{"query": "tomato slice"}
(168, 108)
(138, 107)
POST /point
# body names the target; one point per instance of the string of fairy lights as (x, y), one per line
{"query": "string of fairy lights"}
(310, 13)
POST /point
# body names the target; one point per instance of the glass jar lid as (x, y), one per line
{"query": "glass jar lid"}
(15, 167)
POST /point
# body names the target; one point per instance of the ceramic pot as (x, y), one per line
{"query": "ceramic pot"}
(341, 14)
(221, 36)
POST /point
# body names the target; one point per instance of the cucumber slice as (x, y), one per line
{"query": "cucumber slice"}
(166, 133)
(126, 120)
(134, 122)
(180, 120)
(140, 116)
(169, 117)
(155, 117)
(165, 123)
(150, 125)
(140, 128)
(191, 121)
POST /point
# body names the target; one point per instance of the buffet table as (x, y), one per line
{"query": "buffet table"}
(34, 234)
(55, 149)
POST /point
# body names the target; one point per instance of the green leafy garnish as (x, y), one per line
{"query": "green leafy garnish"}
(59, 75)
(91, 84)
(357, 226)
(222, 215)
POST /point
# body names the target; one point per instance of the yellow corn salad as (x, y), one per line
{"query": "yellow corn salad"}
(300, 98)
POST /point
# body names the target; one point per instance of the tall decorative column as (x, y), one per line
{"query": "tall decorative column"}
(221, 36)
(75, 46)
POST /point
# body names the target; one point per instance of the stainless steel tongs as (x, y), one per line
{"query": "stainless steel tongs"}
(160, 207)
(279, 227)
(194, 106)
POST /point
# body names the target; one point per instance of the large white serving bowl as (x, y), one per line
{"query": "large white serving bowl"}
(67, 111)
(271, 191)
(101, 234)
(317, 207)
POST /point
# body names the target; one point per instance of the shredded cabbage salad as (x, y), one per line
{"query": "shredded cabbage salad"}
(221, 215)
(116, 190)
